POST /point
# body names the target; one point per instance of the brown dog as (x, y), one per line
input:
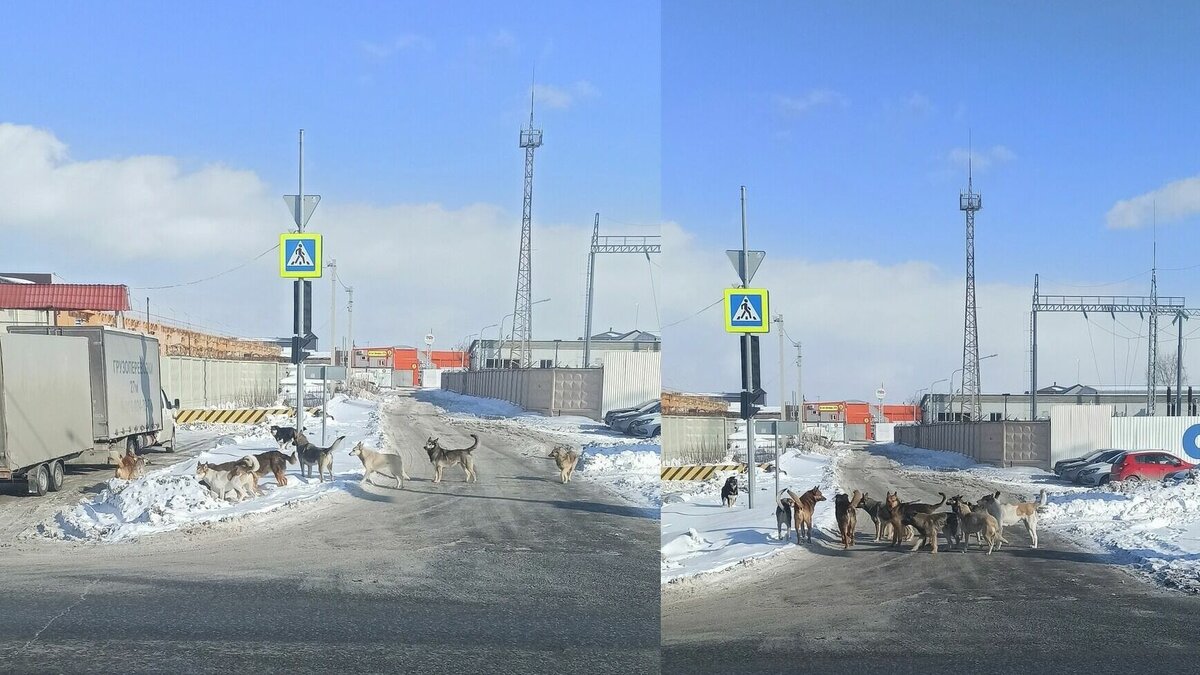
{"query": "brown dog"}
(845, 508)
(803, 507)
(275, 462)
(566, 459)
(130, 466)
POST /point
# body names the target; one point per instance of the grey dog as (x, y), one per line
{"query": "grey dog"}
(441, 458)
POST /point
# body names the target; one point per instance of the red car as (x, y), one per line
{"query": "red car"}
(1147, 465)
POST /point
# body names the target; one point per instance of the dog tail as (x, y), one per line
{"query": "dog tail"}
(250, 462)
(943, 496)
(856, 498)
(474, 444)
(291, 459)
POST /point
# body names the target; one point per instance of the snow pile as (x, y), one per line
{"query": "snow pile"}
(173, 498)
(628, 470)
(1153, 526)
(699, 535)
(624, 465)
(1027, 479)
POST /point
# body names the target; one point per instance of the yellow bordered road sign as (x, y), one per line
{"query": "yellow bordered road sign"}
(747, 310)
(300, 255)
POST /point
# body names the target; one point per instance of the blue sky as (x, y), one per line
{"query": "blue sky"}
(841, 119)
(405, 106)
(848, 123)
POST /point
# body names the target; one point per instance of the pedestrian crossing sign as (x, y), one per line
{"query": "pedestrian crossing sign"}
(746, 310)
(299, 255)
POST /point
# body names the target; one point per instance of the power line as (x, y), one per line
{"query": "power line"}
(209, 278)
(696, 314)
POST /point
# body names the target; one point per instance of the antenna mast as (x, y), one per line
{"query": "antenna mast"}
(531, 139)
(970, 202)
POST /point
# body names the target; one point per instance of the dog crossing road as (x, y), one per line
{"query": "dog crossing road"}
(824, 610)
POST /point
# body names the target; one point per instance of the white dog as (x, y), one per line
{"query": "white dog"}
(383, 463)
(238, 476)
(1011, 514)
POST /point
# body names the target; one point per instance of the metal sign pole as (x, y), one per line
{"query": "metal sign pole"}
(747, 366)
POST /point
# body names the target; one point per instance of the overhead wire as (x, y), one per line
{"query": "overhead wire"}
(694, 314)
(208, 278)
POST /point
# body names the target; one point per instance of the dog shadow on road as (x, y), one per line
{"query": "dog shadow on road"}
(589, 507)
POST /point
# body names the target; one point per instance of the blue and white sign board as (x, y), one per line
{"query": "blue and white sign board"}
(747, 310)
(1191, 441)
(300, 255)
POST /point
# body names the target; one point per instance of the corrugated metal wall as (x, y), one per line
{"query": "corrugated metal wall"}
(1009, 443)
(215, 383)
(631, 378)
(550, 391)
(1076, 430)
(693, 440)
(1151, 433)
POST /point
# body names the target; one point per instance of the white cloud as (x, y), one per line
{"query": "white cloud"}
(564, 97)
(814, 98)
(863, 322)
(503, 39)
(406, 42)
(1173, 202)
(982, 158)
(918, 103)
(144, 221)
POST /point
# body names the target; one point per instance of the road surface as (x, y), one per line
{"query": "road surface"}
(873, 610)
(517, 574)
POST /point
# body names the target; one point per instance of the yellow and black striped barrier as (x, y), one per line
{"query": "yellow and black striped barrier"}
(700, 471)
(236, 415)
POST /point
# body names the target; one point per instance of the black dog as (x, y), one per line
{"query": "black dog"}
(729, 491)
(284, 435)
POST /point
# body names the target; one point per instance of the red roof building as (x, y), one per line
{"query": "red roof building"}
(65, 297)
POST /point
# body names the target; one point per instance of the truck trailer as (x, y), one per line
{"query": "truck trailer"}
(45, 408)
(129, 409)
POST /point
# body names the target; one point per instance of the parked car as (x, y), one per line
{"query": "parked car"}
(1071, 471)
(1098, 472)
(1147, 465)
(1180, 476)
(647, 426)
(1062, 465)
(613, 414)
(621, 422)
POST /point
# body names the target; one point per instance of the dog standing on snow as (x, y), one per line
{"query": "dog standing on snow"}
(729, 491)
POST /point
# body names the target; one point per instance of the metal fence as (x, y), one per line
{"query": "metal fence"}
(550, 391)
(694, 440)
(997, 443)
(217, 383)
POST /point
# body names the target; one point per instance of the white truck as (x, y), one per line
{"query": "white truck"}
(120, 378)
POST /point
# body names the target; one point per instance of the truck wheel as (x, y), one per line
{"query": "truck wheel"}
(56, 475)
(133, 444)
(39, 480)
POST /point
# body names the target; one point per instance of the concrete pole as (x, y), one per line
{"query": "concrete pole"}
(1179, 368)
(591, 282)
(800, 385)
(782, 366)
(332, 313)
(350, 335)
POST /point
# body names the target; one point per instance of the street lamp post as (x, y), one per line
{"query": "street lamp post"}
(931, 385)
(1005, 406)
(473, 364)
(500, 332)
(557, 343)
(960, 382)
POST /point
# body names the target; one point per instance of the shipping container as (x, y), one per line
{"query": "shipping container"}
(45, 407)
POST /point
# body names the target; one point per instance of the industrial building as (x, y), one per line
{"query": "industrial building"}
(406, 366)
(1126, 402)
(493, 354)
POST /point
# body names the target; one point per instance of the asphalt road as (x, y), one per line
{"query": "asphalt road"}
(1054, 609)
(517, 574)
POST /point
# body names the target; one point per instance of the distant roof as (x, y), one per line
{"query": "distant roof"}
(630, 336)
(23, 278)
(62, 297)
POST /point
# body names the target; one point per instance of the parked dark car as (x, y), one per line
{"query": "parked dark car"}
(621, 421)
(1071, 471)
(640, 409)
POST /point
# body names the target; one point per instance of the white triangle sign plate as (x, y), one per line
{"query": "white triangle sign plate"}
(310, 205)
(753, 260)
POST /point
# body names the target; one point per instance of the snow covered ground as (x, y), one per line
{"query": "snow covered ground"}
(627, 466)
(173, 498)
(1153, 528)
(700, 536)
